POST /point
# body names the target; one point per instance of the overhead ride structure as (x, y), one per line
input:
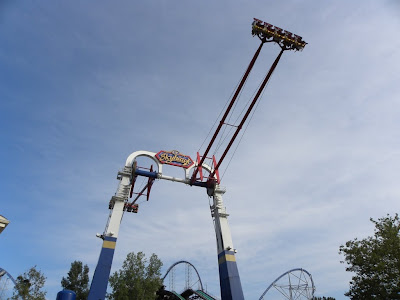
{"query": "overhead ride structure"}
(3, 223)
(196, 173)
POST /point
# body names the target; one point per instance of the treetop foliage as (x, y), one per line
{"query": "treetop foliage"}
(77, 280)
(139, 278)
(375, 261)
(29, 285)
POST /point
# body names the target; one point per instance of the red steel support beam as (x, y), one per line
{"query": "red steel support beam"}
(249, 110)
(221, 123)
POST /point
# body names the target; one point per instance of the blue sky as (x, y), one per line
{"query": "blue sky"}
(83, 85)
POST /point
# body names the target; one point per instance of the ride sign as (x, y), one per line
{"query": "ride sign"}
(174, 158)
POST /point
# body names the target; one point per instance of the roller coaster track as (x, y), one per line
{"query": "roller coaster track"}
(203, 295)
(189, 292)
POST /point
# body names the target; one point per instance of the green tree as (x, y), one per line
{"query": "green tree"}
(139, 278)
(375, 262)
(77, 280)
(29, 286)
(323, 298)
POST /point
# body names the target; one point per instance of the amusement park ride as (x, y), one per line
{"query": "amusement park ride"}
(197, 173)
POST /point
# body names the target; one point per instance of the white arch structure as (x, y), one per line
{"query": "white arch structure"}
(297, 289)
(229, 277)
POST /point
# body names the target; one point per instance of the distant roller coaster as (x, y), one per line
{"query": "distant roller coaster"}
(7, 283)
(188, 281)
(189, 290)
(294, 284)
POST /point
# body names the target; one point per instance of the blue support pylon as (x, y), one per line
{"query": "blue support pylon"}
(98, 288)
(229, 279)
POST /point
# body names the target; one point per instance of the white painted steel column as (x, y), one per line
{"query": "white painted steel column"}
(101, 275)
(231, 287)
(222, 230)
